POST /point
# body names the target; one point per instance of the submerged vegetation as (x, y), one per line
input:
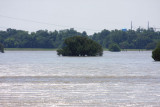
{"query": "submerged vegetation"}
(130, 39)
(114, 48)
(1, 48)
(80, 46)
(156, 53)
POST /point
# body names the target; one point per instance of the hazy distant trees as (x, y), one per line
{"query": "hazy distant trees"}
(80, 46)
(156, 53)
(12, 38)
(131, 39)
(151, 45)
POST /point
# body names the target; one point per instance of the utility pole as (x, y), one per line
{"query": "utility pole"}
(148, 25)
(131, 25)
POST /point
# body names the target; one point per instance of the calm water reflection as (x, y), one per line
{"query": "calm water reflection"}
(41, 78)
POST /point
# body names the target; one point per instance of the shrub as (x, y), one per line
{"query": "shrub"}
(156, 53)
(80, 46)
(114, 48)
(1, 48)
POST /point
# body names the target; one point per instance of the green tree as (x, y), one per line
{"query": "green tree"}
(151, 45)
(80, 46)
(141, 42)
(1, 48)
(114, 48)
(124, 45)
(156, 53)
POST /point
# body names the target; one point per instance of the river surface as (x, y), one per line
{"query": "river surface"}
(43, 79)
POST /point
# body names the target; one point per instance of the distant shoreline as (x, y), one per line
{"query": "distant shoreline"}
(51, 49)
(30, 49)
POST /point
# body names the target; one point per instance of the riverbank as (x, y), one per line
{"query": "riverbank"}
(30, 49)
(51, 49)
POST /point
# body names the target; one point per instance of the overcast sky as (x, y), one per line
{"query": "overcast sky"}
(83, 15)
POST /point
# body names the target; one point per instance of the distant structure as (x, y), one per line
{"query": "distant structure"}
(131, 25)
(124, 30)
(155, 29)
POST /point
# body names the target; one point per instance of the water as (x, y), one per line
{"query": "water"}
(43, 79)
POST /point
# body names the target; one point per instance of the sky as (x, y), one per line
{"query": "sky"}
(82, 15)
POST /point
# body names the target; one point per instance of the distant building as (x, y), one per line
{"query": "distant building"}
(125, 30)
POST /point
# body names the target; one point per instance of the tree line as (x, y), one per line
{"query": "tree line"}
(131, 39)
